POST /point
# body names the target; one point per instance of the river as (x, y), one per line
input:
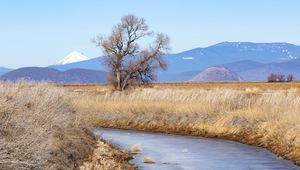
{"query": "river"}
(174, 152)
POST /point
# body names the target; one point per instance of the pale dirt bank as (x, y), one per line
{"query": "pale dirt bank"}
(107, 157)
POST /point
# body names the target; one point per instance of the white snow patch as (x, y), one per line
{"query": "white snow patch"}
(200, 53)
(188, 58)
(292, 57)
(237, 44)
(72, 58)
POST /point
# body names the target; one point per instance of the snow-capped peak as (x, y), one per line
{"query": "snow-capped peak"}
(72, 58)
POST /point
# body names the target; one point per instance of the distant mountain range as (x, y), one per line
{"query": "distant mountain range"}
(56, 76)
(250, 61)
(228, 52)
(91, 64)
(255, 71)
(247, 70)
(200, 58)
(4, 70)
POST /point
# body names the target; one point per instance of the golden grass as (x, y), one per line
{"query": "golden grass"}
(36, 129)
(267, 119)
(39, 130)
(242, 86)
(45, 127)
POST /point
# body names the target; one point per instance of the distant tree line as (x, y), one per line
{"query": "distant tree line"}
(280, 78)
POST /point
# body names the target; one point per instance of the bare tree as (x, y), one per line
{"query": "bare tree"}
(127, 62)
(272, 78)
(281, 78)
(289, 78)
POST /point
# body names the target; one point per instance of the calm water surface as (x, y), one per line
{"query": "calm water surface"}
(173, 152)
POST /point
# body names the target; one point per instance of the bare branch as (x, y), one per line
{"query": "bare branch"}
(126, 62)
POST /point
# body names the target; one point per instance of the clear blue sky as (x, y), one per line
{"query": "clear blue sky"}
(39, 33)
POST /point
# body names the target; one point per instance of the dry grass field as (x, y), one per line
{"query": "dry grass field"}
(36, 129)
(261, 114)
(39, 130)
(242, 86)
(48, 127)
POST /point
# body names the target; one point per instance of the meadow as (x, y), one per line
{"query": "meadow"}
(261, 114)
(46, 126)
(241, 86)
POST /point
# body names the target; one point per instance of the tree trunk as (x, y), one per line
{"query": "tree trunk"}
(125, 82)
(118, 79)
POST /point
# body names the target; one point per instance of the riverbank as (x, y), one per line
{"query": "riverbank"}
(107, 157)
(39, 129)
(269, 119)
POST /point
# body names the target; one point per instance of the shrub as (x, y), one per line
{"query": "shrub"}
(280, 78)
(37, 128)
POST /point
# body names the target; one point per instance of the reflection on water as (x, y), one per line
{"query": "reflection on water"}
(172, 152)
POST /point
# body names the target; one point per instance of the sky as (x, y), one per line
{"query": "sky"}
(40, 33)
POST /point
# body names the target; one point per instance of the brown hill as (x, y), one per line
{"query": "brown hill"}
(216, 74)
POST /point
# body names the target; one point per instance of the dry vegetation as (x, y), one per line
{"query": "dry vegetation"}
(39, 129)
(243, 86)
(107, 157)
(293, 87)
(46, 127)
(267, 119)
